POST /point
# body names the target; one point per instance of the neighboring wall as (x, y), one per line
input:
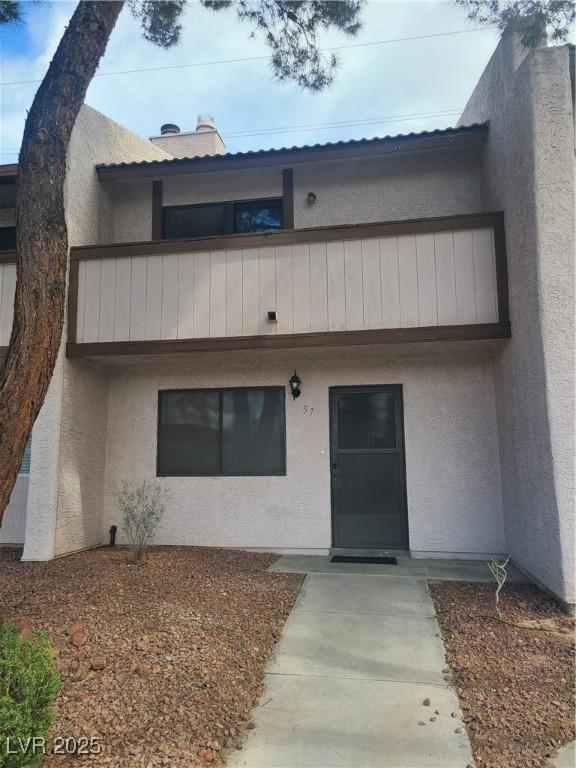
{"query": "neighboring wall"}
(529, 173)
(14, 520)
(7, 289)
(68, 453)
(439, 182)
(453, 477)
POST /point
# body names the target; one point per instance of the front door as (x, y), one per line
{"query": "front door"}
(367, 464)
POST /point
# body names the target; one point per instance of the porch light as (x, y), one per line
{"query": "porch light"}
(311, 198)
(295, 385)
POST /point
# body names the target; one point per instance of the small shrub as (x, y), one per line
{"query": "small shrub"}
(29, 683)
(142, 508)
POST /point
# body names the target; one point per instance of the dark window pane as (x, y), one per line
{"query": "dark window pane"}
(253, 432)
(7, 238)
(188, 433)
(258, 216)
(195, 221)
(366, 420)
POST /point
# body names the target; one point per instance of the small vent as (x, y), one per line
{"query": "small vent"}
(169, 129)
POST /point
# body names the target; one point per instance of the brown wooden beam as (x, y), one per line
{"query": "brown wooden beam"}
(7, 257)
(501, 271)
(73, 301)
(293, 341)
(288, 198)
(157, 210)
(9, 169)
(290, 237)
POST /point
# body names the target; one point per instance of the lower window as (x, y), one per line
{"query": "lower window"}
(239, 431)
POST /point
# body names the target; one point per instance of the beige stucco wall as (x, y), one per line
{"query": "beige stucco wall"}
(529, 173)
(419, 184)
(191, 143)
(453, 478)
(65, 491)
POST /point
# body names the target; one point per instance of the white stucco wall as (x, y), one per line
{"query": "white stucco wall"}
(419, 184)
(65, 494)
(191, 143)
(529, 173)
(82, 457)
(453, 480)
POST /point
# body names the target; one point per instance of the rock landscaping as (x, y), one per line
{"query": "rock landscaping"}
(515, 683)
(161, 662)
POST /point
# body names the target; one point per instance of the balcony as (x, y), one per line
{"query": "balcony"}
(419, 280)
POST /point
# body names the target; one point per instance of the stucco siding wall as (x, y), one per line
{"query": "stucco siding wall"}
(65, 488)
(82, 457)
(529, 173)
(97, 139)
(418, 185)
(453, 481)
(14, 520)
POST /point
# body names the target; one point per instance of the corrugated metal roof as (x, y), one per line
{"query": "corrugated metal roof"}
(304, 148)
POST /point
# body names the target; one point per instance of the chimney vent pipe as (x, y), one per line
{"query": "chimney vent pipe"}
(205, 123)
(169, 129)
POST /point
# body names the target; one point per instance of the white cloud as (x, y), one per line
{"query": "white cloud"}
(419, 76)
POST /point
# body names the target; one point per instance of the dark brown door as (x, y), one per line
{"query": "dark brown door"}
(367, 467)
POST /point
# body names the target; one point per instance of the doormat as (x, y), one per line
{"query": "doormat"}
(374, 560)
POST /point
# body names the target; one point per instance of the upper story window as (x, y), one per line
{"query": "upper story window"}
(202, 220)
(7, 214)
(7, 238)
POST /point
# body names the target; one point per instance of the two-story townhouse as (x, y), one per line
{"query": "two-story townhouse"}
(365, 345)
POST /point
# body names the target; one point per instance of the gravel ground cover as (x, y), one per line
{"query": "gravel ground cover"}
(515, 684)
(161, 662)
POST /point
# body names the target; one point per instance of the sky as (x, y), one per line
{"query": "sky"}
(386, 83)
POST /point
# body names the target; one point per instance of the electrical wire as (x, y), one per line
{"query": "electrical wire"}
(261, 58)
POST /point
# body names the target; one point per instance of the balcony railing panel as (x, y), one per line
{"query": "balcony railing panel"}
(440, 278)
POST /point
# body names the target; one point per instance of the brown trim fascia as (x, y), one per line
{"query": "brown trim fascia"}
(289, 237)
(293, 341)
(73, 301)
(7, 257)
(400, 145)
(9, 169)
(501, 260)
(288, 198)
(157, 196)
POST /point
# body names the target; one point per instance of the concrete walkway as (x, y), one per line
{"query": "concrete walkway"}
(566, 758)
(345, 688)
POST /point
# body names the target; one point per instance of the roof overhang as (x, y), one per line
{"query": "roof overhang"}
(8, 170)
(451, 137)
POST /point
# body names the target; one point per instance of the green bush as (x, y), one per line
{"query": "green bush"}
(29, 683)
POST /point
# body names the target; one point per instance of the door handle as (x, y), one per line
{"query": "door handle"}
(334, 470)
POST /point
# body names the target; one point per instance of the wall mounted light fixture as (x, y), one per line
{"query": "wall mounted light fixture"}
(295, 385)
(311, 198)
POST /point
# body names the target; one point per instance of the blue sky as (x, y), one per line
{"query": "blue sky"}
(385, 88)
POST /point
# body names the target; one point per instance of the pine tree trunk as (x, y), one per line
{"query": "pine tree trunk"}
(42, 240)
